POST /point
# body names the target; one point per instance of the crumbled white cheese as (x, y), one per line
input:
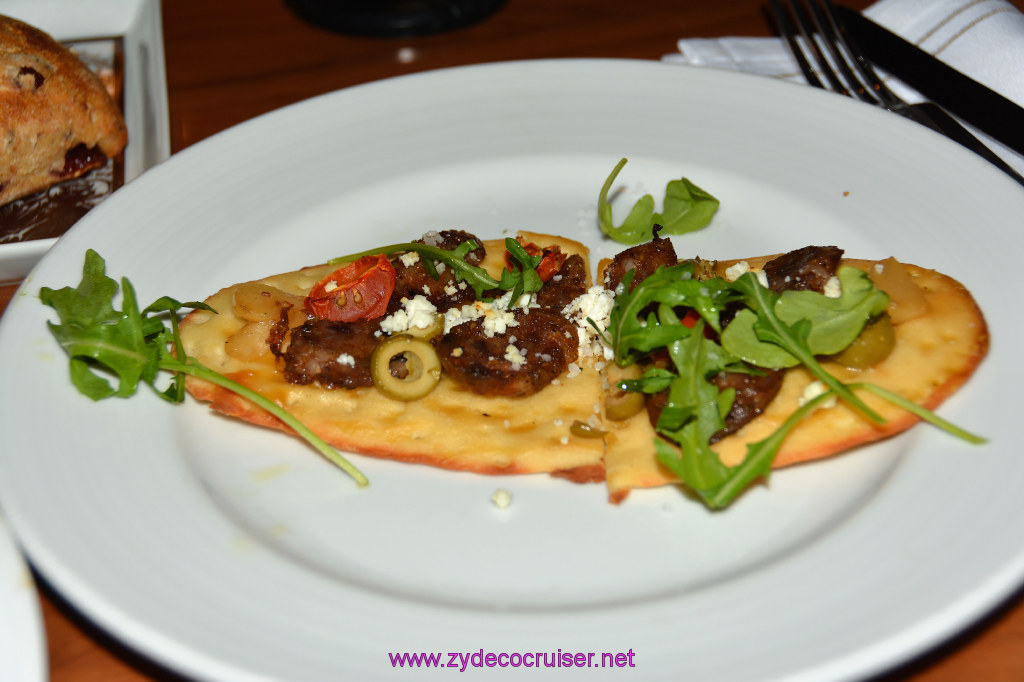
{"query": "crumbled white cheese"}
(457, 352)
(594, 306)
(515, 356)
(330, 286)
(833, 287)
(501, 498)
(346, 359)
(499, 322)
(409, 258)
(812, 391)
(496, 315)
(574, 370)
(417, 312)
(734, 272)
(879, 268)
(432, 238)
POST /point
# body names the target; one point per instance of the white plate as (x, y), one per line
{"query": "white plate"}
(138, 22)
(232, 553)
(22, 640)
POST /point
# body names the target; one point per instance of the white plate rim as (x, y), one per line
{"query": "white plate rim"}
(947, 619)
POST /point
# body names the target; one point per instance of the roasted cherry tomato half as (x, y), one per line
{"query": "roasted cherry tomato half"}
(690, 319)
(357, 291)
(551, 259)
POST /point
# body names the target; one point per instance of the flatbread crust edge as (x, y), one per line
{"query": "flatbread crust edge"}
(934, 355)
(450, 428)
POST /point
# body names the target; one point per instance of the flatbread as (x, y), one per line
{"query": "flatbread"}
(934, 354)
(450, 428)
(941, 337)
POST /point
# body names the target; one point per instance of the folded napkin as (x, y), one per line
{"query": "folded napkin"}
(983, 39)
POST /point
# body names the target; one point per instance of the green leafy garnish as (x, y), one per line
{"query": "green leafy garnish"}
(835, 322)
(633, 334)
(769, 330)
(769, 324)
(686, 208)
(522, 279)
(133, 346)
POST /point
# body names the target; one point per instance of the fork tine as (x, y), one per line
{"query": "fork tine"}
(867, 85)
(809, 55)
(825, 23)
(789, 34)
(824, 67)
(838, 35)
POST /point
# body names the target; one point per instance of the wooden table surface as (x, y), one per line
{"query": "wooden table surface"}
(231, 60)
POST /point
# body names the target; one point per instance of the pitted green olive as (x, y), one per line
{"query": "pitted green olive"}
(433, 329)
(620, 404)
(873, 345)
(422, 367)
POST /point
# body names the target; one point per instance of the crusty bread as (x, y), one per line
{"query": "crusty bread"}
(57, 120)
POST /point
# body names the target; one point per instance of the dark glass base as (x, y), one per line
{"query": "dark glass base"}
(393, 18)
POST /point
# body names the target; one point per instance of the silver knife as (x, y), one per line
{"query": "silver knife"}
(985, 109)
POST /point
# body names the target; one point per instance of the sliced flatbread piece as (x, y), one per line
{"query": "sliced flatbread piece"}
(450, 428)
(941, 337)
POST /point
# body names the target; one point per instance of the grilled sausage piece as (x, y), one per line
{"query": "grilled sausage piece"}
(569, 283)
(808, 268)
(644, 258)
(444, 292)
(534, 351)
(334, 354)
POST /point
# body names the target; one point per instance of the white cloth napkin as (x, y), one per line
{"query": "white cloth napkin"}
(983, 39)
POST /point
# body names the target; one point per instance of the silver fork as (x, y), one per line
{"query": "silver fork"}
(830, 60)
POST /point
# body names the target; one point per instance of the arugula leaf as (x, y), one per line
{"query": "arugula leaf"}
(633, 334)
(770, 330)
(524, 279)
(476, 277)
(835, 322)
(758, 461)
(132, 346)
(789, 336)
(760, 455)
(686, 208)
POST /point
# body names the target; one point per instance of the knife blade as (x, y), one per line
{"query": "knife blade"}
(987, 110)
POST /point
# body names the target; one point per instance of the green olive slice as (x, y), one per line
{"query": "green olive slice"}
(423, 367)
(873, 345)
(620, 404)
(585, 430)
(435, 327)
